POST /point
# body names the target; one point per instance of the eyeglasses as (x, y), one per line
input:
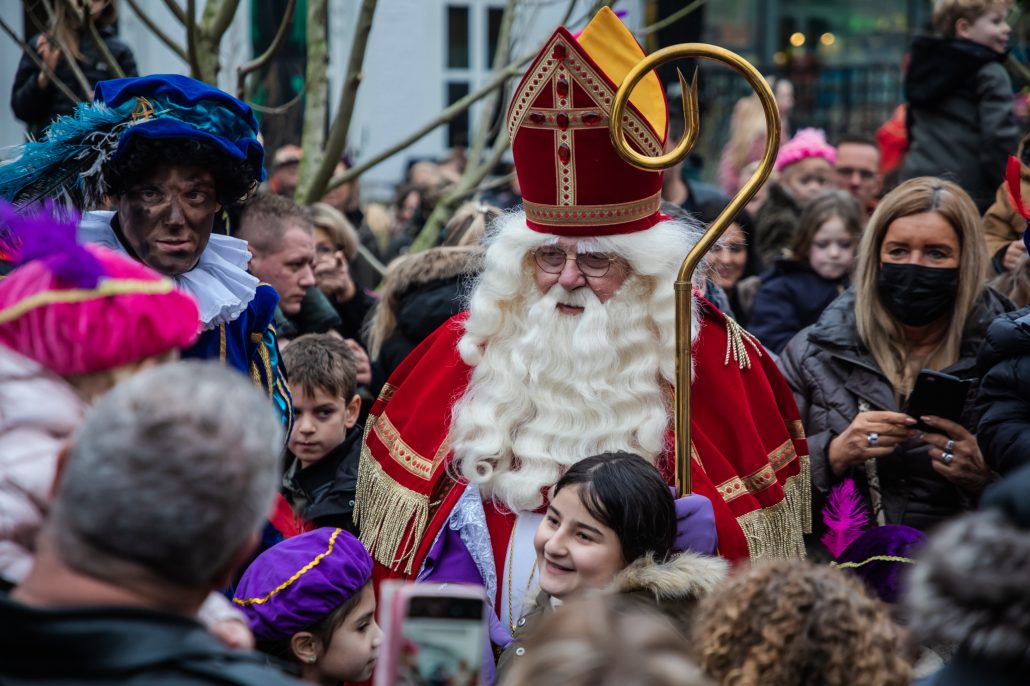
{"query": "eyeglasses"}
(848, 172)
(592, 264)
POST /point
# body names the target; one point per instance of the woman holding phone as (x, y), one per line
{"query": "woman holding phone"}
(918, 302)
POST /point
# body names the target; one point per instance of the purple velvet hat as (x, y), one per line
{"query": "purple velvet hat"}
(881, 557)
(301, 581)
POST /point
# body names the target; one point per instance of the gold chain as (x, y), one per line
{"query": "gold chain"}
(511, 560)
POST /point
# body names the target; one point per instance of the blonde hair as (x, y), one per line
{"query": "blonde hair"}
(946, 13)
(335, 223)
(879, 332)
(469, 223)
(747, 124)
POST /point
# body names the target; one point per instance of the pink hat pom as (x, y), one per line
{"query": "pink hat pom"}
(131, 314)
(805, 143)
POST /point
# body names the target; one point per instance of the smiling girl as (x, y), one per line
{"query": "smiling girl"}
(611, 526)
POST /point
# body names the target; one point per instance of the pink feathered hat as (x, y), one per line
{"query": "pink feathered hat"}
(805, 143)
(77, 309)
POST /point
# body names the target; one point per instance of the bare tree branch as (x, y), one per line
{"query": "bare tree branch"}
(101, 45)
(223, 17)
(316, 104)
(671, 19)
(177, 10)
(191, 38)
(262, 60)
(31, 52)
(315, 186)
(501, 58)
(161, 35)
(279, 109)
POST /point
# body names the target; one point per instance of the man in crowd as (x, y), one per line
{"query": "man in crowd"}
(170, 154)
(567, 351)
(158, 503)
(858, 170)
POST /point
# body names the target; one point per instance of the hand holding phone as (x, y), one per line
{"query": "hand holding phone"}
(938, 395)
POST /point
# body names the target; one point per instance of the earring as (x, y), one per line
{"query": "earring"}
(311, 659)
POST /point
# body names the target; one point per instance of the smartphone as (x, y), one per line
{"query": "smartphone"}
(433, 634)
(938, 394)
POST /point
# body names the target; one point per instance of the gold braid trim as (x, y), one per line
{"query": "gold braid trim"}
(776, 531)
(105, 289)
(289, 582)
(387, 514)
(736, 337)
(874, 558)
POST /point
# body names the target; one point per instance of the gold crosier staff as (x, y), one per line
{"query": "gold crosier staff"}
(715, 230)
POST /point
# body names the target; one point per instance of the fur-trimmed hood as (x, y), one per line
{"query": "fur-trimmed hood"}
(419, 269)
(687, 576)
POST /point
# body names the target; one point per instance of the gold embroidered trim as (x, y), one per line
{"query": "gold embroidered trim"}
(760, 479)
(388, 515)
(736, 336)
(221, 343)
(576, 120)
(592, 83)
(874, 558)
(289, 582)
(400, 452)
(387, 393)
(105, 289)
(782, 456)
(776, 531)
(796, 429)
(266, 360)
(592, 215)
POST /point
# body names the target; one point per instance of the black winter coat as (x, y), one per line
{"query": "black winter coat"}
(38, 107)
(960, 123)
(120, 645)
(791, 297)
(324, 492)
(775, 224)
(1004, 400)
(834, 377)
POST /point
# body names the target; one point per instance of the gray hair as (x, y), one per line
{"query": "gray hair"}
(172, 471)
(969, 587)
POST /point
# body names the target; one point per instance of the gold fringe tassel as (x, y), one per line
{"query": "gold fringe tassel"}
(736, 337)
(388, 515)
(777, 531)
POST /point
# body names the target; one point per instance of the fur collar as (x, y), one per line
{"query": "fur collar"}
(417, 270)
(687, 575)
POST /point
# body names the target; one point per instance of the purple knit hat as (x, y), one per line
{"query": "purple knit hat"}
(301, 581)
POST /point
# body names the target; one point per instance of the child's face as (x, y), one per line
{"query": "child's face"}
(806, 179)
(833, 249)
(574, 551)
(990, 29)
(354, 647)
(320, 423)
(728, 258)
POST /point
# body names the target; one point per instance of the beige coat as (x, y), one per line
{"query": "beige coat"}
(1002, 224)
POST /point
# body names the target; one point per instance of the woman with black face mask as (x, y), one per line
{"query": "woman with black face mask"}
(918, 301)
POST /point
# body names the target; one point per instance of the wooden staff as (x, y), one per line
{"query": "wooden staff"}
(684, 281)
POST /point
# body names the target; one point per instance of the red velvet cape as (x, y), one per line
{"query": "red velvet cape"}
(750, 456)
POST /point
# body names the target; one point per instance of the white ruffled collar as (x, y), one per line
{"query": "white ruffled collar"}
(219, 283)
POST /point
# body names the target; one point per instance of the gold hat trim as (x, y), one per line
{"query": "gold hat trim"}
(592, 215)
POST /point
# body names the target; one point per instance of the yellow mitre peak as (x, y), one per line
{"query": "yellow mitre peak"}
(610, 44)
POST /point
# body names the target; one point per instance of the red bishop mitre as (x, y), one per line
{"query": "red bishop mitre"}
(573, 181)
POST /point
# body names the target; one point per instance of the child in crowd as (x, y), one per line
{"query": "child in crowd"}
(611, 524)
(74, 321)
(324, 447)
(796, 290)
(805, 165)
(960, 122)
(309, 600)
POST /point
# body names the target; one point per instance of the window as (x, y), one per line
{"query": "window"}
(457, 128)
(457, 37)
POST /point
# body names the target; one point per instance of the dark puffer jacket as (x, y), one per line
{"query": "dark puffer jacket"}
(834, 377)
(37, 107)
(791, 297)
(960, 123)
(1004, 401)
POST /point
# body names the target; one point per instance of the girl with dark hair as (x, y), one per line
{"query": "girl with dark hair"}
(610, 526)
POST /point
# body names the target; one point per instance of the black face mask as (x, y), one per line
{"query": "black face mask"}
(917, 295)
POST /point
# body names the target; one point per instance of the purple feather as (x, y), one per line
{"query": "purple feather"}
(47, 234)
(845, 517)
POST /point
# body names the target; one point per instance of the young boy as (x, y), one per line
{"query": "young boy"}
(325, 444)
(960, 123)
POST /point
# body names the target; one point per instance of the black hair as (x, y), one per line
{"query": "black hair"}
(626, 493)
(854, 138)
(707, 212)
(234, 179)
(323, 630)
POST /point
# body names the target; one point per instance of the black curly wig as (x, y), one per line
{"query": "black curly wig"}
(234, 179)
